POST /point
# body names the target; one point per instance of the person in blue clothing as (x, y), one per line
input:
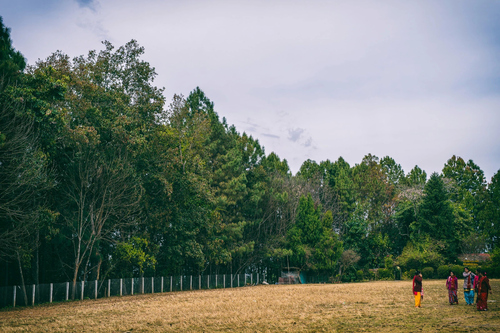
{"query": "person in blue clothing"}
(469, 286)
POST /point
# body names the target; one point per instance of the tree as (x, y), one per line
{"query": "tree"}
(12, 62)
(490, 216)
(102, 199)
(416, 177)
(394, 172)
(436, 217)
(313, 243)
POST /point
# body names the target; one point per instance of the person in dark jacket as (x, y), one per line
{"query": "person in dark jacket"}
(452, 285)
(484, 289)
(417, 288)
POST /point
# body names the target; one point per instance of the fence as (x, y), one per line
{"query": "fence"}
(59, 292)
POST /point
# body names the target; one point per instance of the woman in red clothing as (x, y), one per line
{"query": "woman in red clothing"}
(452, 285)
(417, 288)
(484, 288)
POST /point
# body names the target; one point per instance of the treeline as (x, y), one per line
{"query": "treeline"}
(99, 179)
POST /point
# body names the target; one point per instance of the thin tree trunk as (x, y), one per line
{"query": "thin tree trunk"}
(37, 259)
(22, 278)
(98, 269)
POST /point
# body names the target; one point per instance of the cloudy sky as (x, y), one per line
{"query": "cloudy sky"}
(416, 80)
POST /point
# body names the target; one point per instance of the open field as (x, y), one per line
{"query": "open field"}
(371, 306)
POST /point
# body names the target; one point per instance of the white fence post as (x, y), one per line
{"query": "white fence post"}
(132, 288)
(162, 284)
(231, 280)
(216, 281)
(109, 287)
(95, 289)
(171, 279)
(190, 282)
(152, 285)
(142, 284)
(51, 290)
(257, 278)
(199, 282)
(14, 297)
(67, 290)
(81, 293)
(181, 282)
(244, 284)
(121, 286)
(208, 281)
(224, 281)
(33, 303)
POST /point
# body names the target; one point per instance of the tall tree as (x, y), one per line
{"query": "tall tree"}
(436, 217)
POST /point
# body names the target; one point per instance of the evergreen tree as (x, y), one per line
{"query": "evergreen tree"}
(436, 217)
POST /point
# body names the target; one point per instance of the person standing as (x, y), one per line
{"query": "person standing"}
(468, 286)
(452, 285)
(476, 285)
(484, 288)
(417, 288)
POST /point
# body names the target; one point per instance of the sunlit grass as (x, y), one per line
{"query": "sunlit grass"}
(371, 306)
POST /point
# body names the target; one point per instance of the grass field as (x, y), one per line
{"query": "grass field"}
(355, 307)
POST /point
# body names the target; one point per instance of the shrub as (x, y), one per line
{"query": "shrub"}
(443, 272)
(360, 275)
(389, 261)
(425, 253)
(457, 269)
(428, 273)
(411, 273)
(385, 274)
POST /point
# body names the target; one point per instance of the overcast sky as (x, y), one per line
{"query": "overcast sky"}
(416, 80)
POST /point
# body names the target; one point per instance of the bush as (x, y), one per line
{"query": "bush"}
(428, 273)
(385, 274)
(458, 270)
(360, 275)
(443, 272)
(411, 273)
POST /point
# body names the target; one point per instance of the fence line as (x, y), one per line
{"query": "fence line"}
(59, 292)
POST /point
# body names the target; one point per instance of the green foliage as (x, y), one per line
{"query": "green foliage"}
(428, 272)
(312, 241)
(133, 257)
(386, 274)
(11, 61)
(96, 172)
(421, 254)
(443, 271)
(436, 218)
(389, 262)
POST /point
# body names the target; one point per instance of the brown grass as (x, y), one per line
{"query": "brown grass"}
(371, 306)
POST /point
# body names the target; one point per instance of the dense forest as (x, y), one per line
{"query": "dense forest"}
(102, 177)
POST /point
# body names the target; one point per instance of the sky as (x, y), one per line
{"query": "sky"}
(418, 81)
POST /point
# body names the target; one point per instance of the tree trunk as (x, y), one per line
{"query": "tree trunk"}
(98, 269)
(23, 287)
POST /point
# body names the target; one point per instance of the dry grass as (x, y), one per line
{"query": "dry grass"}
(371, 306)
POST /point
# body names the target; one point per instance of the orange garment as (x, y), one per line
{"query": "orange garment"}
(418, 299)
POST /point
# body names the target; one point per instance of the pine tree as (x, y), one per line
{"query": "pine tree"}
(436, 217)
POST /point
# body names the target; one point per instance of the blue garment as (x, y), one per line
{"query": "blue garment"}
(469, 296)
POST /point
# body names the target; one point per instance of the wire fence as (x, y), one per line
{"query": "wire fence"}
(30, 295)
(13, 296)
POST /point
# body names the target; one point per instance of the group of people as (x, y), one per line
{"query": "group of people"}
(474, 283)
(477, 283)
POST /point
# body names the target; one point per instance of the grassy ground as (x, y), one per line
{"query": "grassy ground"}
(371, 306)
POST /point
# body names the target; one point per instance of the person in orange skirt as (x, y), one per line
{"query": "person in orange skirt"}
(417, 288)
